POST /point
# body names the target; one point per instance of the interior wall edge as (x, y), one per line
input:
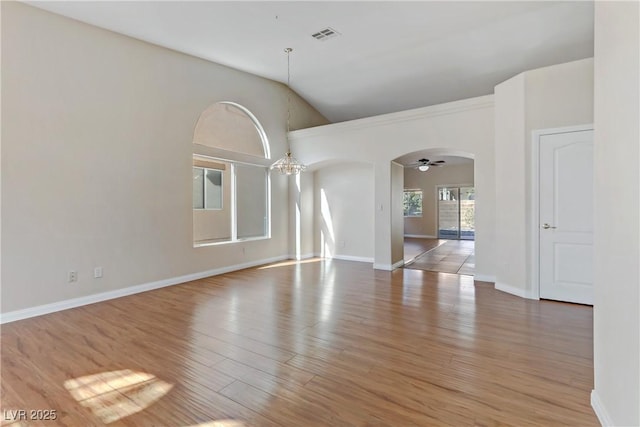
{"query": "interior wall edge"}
(514, 290)
(600, 410)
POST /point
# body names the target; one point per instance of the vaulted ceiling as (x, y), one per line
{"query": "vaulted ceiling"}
(387, 56)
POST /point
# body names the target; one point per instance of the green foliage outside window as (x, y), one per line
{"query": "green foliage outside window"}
(412, 202)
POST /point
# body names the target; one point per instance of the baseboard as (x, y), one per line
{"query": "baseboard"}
(397, 264)
(303, 256)
(513, 290)
(420, 236)
(346, 258)
(600, 410)
(388, 267)
(353, 258)
(483, 278)
(40, 310)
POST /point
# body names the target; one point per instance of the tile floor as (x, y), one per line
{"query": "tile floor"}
(452, 256)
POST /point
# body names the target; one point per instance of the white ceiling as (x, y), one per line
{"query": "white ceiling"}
(431, 154)
(390, 56)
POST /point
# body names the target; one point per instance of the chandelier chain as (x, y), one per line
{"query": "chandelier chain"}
(288, 165)
(288, 50)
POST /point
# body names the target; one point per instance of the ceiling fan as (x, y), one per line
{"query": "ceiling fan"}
(423, 165)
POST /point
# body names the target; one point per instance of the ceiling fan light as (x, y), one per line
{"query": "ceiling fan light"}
(423, 168)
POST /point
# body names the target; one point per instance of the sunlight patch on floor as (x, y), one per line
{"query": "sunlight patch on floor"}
(292, 262)
(114, 395)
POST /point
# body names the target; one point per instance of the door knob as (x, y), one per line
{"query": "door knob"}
(547, 226)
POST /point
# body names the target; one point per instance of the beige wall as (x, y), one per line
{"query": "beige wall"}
(397, 214)
(97, 133)
(462, 128)
(616, 395)
(343, 203)
(551, 97)
(427, 224)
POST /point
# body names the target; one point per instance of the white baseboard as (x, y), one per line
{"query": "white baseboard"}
(303, 256)
(420, 236)
(388, 267)
(346, 258)
(397, 264)
(600, 410)
(353, 258)
(484, 278)
(39, 310)
(522, 293)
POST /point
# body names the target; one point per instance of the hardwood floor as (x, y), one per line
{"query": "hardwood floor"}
(444, 256)
(414, 246)
(318, 343)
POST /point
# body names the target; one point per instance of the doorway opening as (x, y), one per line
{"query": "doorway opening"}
(439, 211)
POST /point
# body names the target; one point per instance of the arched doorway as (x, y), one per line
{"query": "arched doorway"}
(439, 211)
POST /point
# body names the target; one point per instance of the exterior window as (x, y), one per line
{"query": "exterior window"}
(231, 182)
(207, 188)
(412, 202)
(251, 201)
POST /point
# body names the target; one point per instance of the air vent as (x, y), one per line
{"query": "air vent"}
(325, 34)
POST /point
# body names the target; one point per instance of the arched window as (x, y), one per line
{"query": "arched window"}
(231, 188)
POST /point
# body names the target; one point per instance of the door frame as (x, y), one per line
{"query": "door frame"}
(534, 212)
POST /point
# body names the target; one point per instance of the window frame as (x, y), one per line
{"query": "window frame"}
(413, 190)
(233, 202)
(204, 189)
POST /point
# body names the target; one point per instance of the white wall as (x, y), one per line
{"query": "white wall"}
(343, 204)
(616, 397)
(302, 213)
(427, 224)
(457, 128)
(550, 97)
(397, 214)
(97, 133)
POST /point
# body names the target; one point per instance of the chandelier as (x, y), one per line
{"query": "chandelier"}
(288, 165)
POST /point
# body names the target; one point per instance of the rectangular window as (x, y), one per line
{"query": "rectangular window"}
(251, 201)
(230, 201)
(207, 188)
(412, 202)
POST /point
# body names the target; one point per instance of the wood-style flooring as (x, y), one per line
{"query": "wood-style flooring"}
(445, 256)
(316, 343)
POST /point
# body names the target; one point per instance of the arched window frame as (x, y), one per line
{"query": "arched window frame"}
(235, 160)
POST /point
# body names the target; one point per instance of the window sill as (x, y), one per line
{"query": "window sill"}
(205, 243)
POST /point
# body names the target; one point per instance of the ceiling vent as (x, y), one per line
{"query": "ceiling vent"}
(325, 34)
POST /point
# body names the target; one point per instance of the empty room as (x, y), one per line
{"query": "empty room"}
(315, 213)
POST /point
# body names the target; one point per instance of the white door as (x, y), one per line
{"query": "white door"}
(566, 216)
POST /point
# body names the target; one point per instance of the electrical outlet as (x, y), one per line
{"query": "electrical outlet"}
(97, 272)
(73, 276)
